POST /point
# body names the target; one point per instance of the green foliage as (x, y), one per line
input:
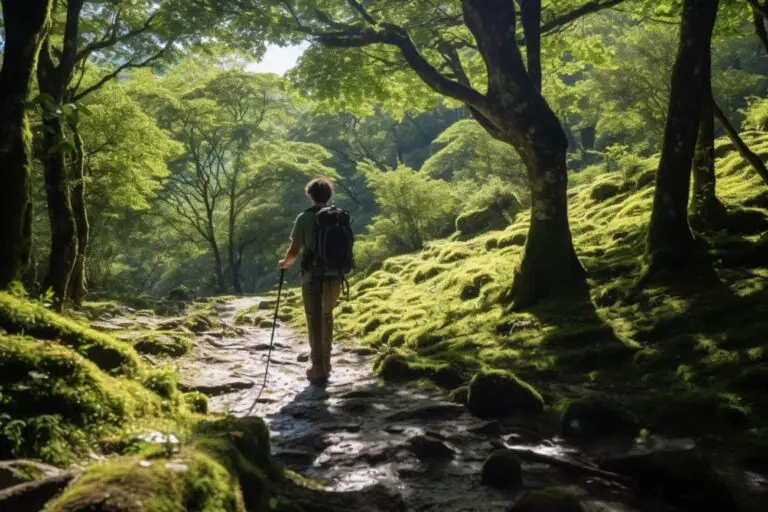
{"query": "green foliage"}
(466, 152)
(413, 209)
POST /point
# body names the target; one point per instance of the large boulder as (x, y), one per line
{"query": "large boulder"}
(495, 394)
(683, 478)
(595, 417)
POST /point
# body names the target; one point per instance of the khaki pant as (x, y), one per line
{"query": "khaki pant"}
(320, 297)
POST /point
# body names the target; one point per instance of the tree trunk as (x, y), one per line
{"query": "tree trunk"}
(234, 268)
(518, 114)
(53, 80)
(63, 250)
(670, 241)
(707, 211)
(221, 282)
(77, 282)
(549, 262)
(25, 24)
(587, 134)
(530, 14)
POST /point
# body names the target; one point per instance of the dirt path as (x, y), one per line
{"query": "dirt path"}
(357, 431)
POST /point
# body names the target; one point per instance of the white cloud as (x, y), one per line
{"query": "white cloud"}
(278, 60)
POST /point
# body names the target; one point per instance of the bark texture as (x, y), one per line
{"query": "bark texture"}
(26, 25)
(707, 212)
(670, 242)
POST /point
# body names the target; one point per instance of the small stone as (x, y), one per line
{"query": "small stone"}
(303, 357)
(502, 469)
(145, 464)
(429, 447)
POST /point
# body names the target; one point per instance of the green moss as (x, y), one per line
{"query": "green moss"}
(502, 469)
(693, 348)
(196, 402)
(167, 343)
(164, 382)
(190, 481)
(19, 316)
(54, 401)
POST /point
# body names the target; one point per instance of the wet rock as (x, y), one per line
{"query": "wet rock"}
(345, 427)
(362, 351)
(217, 388)
(356, 406)
(495, 394)
(486, 428)
(438, 410)
(503, 470)
(548, 500)
(596, 417)
(429, 447)
(394, 429)
(14, 472)
(682, 478)
(460, 395)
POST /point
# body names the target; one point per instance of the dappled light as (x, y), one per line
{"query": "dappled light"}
(383, 255)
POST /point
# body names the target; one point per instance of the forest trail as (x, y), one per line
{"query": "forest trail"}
(358, 431)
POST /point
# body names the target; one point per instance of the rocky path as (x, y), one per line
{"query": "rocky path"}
(358, 432)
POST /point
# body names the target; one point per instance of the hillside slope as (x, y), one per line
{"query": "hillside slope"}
(688, 357)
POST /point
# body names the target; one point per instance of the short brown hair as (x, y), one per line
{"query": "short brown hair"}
(319, 190)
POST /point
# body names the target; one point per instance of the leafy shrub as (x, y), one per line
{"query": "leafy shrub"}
(413, 209)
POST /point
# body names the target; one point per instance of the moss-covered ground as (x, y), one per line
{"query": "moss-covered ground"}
(685, 355)
(143, 445)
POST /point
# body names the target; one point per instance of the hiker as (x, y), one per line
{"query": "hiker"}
(323, 236)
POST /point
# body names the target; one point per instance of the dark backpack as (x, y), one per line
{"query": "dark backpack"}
(332, 254)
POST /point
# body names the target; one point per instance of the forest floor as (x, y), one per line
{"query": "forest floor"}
(359, 431)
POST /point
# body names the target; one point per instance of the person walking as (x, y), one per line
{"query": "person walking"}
(323, 236)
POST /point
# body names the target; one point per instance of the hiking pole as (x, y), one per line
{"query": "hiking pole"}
(271, 341)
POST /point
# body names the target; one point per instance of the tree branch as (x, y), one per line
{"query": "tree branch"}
(357, 6)
(114, 38)
(759, 20)
(746, 153)
(127, 65)
(393, 35)
(590, 7)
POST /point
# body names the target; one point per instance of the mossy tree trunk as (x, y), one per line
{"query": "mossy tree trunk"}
(670, 242)
(58, 159)
(26, 25)
(77, 282)
(707, 211)
(519, 115)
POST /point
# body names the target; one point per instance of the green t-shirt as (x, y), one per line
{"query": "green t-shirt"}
(304, 230)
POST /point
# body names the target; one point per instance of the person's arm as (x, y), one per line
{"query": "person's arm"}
(291, 254)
